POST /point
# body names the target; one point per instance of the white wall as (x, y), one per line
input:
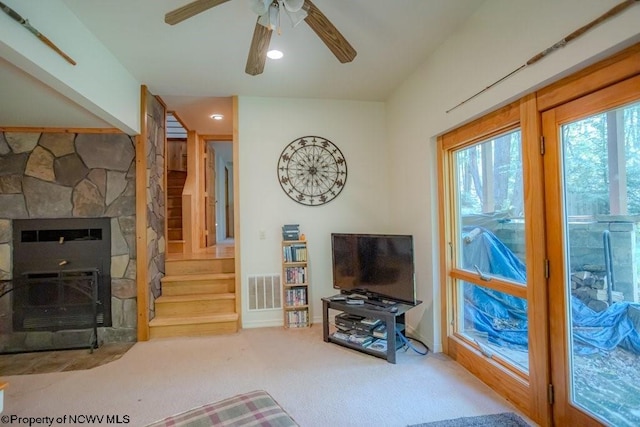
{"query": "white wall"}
(98, 82)
(266, 126)
(500, 37)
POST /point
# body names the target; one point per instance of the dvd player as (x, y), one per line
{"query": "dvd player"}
(346, 321)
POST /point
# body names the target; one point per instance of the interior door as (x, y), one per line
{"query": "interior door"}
(592, 193)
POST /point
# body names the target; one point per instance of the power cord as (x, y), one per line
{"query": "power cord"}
(406, 341)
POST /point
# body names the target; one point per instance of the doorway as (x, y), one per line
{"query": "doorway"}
(221, 182)
(593, 203)
(540, 244)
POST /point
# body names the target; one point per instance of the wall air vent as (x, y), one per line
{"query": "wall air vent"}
(264, 292)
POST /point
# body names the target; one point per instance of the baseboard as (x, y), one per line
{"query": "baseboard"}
(432, 347)
(262, 323)
(270, 323)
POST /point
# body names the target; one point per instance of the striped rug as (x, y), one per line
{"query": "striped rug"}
(256, 408)
(506, 419)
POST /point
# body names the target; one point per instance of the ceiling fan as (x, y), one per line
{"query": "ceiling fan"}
(268, 12)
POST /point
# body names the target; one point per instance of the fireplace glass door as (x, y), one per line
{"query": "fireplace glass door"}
(56, 301)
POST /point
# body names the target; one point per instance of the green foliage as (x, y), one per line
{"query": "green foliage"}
(489, 174)
(586, 161)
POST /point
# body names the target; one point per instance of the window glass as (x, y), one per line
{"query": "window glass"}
(601, 160)
(490, 202)
(496, 322)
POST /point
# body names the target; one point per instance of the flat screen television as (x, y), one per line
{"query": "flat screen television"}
(379, 266)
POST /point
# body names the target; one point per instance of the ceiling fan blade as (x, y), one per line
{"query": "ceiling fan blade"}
(189, 10)
(328, 33)
(258, 50)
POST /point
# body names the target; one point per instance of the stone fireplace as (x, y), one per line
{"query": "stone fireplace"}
(61, 270)
(87, 178)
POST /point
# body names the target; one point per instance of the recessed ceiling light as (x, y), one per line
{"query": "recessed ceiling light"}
(275, 54)
(217, 116)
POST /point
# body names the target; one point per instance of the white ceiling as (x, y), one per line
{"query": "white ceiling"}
(195, 66)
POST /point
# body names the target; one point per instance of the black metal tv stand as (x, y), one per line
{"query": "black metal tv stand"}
(379, 303)
(367, 310)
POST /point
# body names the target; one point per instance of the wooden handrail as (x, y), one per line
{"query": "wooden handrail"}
(192, 196)
(188, 217)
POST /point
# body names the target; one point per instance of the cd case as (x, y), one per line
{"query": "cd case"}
(378, 345)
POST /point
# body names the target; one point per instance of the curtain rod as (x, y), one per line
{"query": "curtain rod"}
(574, 35)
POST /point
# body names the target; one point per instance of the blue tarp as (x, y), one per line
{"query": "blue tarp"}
(504, 317)
(603, 331)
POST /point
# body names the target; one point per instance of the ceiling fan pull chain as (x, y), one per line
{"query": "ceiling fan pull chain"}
(279, 27)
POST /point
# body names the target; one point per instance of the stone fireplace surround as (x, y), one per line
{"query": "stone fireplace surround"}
(71, 175)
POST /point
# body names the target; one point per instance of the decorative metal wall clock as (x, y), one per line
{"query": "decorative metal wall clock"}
(312, 170)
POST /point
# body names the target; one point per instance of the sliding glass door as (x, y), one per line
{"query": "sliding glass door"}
(592, 187)
(540, 247)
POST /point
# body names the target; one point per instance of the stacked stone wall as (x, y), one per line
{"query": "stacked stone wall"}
(156, 212)
(75, 175)
(587, 248)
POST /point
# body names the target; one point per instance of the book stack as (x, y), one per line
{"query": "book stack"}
(295, 253)
(298, 318)
(295, 278)
(295, 275)
(291, 232)
(296, 296)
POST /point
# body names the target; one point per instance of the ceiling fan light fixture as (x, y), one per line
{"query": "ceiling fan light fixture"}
(296, 17)
(293, 5)
(259, 7)
(268, 20)
(275, 54)
(271, 18)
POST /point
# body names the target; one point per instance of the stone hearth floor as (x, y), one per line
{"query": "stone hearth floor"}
(61, 360)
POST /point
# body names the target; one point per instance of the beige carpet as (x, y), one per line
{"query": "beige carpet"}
(319, 384)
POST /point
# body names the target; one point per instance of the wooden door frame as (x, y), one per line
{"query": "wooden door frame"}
(234, 139)
(221, 139)
(613, 96)
(527, 391)
(533, 397)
